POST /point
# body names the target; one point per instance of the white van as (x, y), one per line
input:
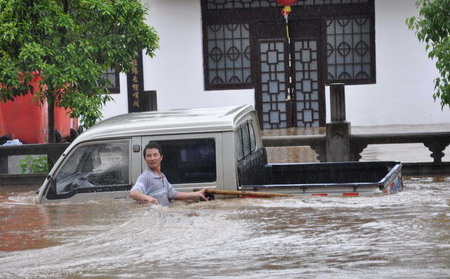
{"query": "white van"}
(218, 148)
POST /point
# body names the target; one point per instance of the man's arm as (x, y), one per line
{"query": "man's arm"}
(139, 196)
(191, 195)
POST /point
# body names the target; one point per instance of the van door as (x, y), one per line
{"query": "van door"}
(190, 161)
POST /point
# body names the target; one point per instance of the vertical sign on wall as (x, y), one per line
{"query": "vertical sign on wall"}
(135, 80)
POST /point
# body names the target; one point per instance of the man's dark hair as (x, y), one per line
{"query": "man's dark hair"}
(152, 145)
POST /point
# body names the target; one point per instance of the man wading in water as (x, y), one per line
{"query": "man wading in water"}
(152, 185)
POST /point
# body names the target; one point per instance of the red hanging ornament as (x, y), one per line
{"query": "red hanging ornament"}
(287, 6)
(287, 2)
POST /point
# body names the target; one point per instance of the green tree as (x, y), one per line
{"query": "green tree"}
(433, 27)
(69, 44)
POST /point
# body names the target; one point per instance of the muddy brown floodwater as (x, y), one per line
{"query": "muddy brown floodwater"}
(405, 235)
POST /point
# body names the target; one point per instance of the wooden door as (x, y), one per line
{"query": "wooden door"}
(289, 86)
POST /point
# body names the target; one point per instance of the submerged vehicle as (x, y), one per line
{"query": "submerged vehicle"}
(215, 148)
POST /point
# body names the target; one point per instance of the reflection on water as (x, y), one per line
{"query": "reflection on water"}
(405, 235)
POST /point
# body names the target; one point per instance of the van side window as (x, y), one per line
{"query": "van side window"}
(92, 167)
(252, 136)
(239, 148)
(189, 160)
(245, 140)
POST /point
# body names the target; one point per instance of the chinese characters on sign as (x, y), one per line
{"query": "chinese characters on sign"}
(135, 86)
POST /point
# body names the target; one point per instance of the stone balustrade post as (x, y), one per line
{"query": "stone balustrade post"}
(338, 130)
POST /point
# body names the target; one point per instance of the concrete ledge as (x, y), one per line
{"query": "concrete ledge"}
(22, 179)
(52, 150)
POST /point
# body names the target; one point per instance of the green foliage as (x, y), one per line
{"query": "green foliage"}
(31, 164)
(70, 43)
(433, 27)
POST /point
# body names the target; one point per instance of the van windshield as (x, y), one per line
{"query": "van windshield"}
(92, 166)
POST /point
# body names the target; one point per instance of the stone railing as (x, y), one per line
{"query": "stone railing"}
(435, 142)
(52, 151)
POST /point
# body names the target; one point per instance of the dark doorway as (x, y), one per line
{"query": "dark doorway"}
(289, 89)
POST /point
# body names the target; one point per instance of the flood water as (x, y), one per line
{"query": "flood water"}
(405, 235)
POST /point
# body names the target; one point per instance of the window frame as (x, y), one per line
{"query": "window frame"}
(116, 75)
(218, 139)
(53, 192)
(252, 16)
(206, 70)
(167, 165)
(354, 81)
(245, 147)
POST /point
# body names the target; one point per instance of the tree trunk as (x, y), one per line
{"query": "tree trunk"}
(51, 121)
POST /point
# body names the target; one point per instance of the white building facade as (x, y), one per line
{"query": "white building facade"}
(391, 81)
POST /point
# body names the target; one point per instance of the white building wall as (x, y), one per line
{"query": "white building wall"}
(402, 94)
(176, 72)
(119, 105)
(404, 87)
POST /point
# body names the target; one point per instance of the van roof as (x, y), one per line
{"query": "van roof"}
(178, 121)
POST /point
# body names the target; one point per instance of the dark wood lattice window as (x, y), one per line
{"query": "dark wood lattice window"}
(348, 42)
(228, 59)
(306, 83)
(243, 4)
(349, 55)
(273, 85)
(112, 74)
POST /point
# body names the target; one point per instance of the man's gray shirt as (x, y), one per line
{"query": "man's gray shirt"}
(151, 184)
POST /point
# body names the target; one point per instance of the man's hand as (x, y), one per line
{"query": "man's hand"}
(151, 200)
(141, 197)
(192, 195)
(202, 194)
